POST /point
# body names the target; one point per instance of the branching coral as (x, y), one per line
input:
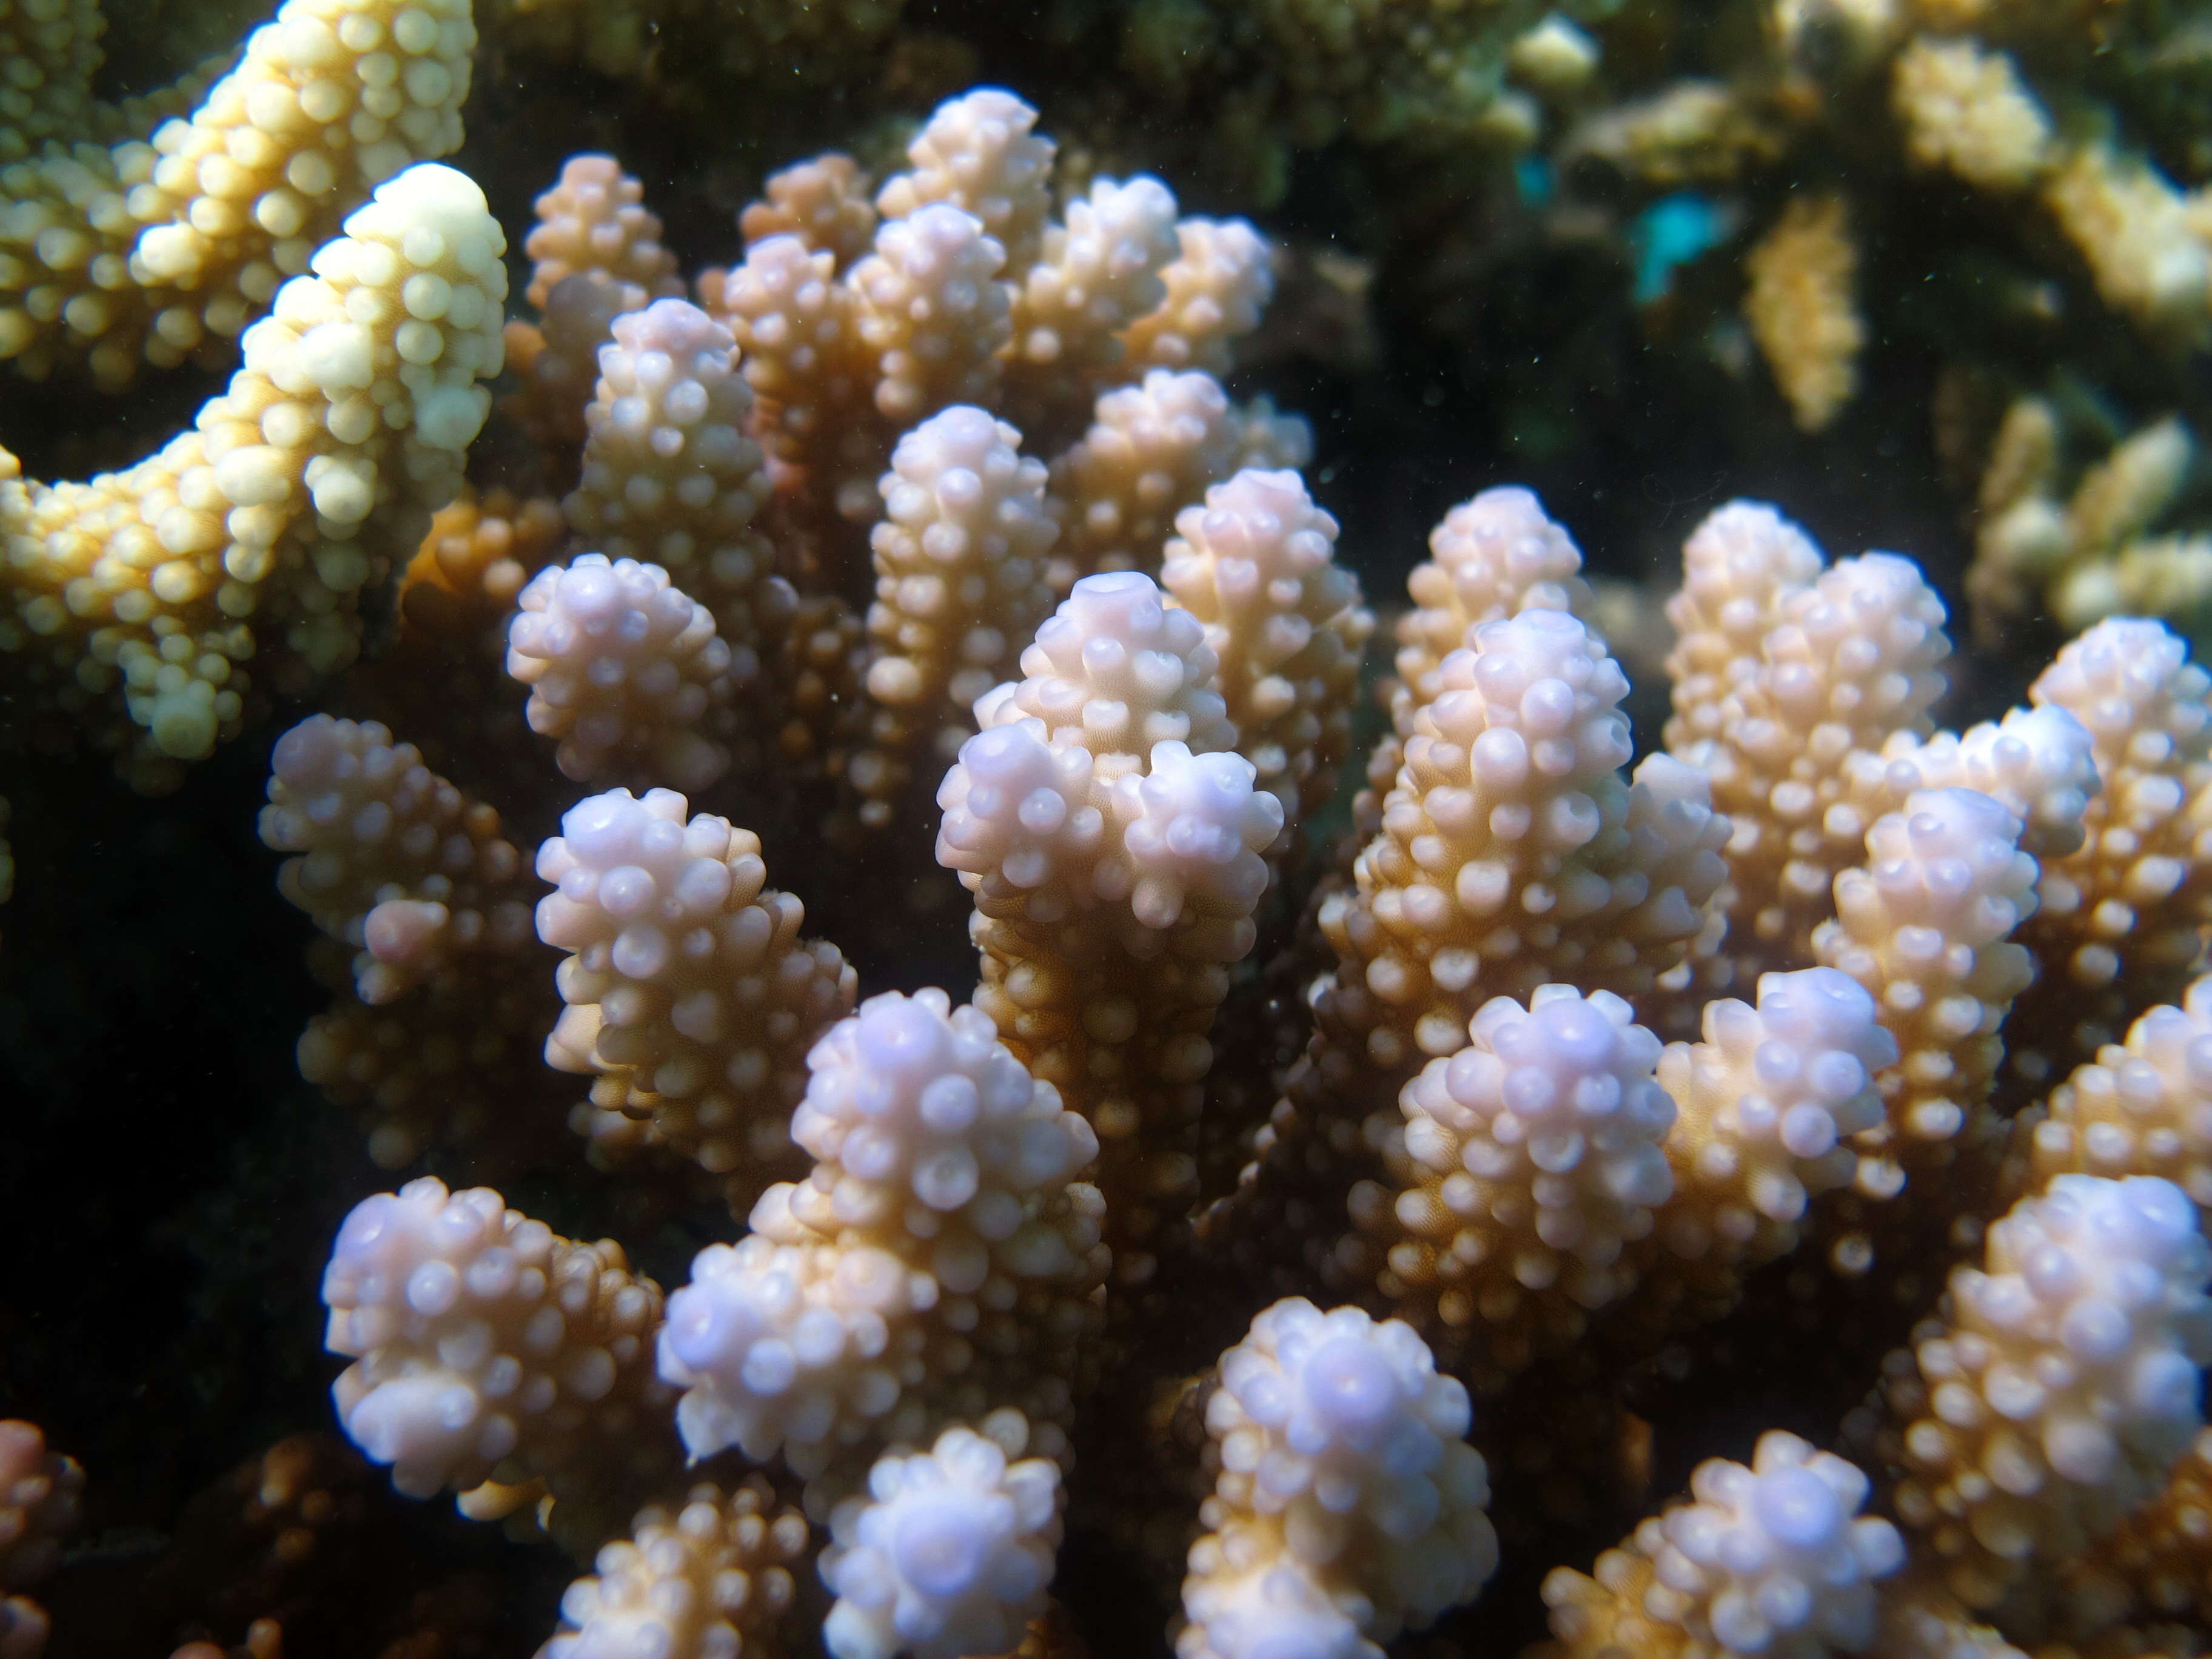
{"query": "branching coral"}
(138, 602)
(2082, 557)
(1555, 1173)
(1591, 1059)
(162, 248)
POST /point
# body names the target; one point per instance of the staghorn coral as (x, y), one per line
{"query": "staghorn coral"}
(1564, 1176)
(161, 247)
(703, 1575)
(2087, 556)
(134, 600)
(1803, 312)
(949, 1551)
(1128, 844)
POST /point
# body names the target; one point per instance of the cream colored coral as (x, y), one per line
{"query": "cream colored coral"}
(393, 860)
(1851, 660)
(803, 356)
(960, 586)
(139, 599)
(2144, 247)
(672, 478)
(154, 250)
(979, 153)
(1507, 858)
(1740, 565)
(2036, 763)
(2117, 926)
(2057, 1386)
(1218, 283)
(935, 1265)
(1096, 273)
(1346, 1503)
(2140, 1108)
(948, 1553)
(690, 996)
(593, 221)
(1151, 452)
(932, 310)
(958, 557)
(1530, 1158)
(823, 201)
(623, 669)
(1255, 564)
(485, 1347)
(1114, 849)
(1965, 108)
(1926, 927)
(710, 1577)
(1767, 1102)
(1489, 557)
(1771, 1559)
(1803, 310)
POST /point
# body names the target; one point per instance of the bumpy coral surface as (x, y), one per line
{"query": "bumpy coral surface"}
(1559, 1084)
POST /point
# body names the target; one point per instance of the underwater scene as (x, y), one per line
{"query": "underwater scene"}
(1105, 828)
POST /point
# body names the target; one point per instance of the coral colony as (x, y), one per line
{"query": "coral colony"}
(930, 520)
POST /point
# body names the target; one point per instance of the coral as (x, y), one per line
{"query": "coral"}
(2060, 1382)
(135, 601)
(1803, 311)
(489, 1352)
(2087, 557)
(707, 1575)
(1283, 620)
(160, 248)
(934, 1264)
(949, 1551)
(1549, 1173)
(690, 998)
(622, 668)
(1771, 1558)
(1554, 1076)
(1348, 1504)
(39, 1496)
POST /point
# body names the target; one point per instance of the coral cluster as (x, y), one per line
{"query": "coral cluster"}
(1551, 1085)
(919, 1326)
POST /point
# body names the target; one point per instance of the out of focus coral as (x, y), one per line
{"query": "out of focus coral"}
(2077, 558)
(1802, 310)
(1273, 76)
(2004, 196)
(39, 1493)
